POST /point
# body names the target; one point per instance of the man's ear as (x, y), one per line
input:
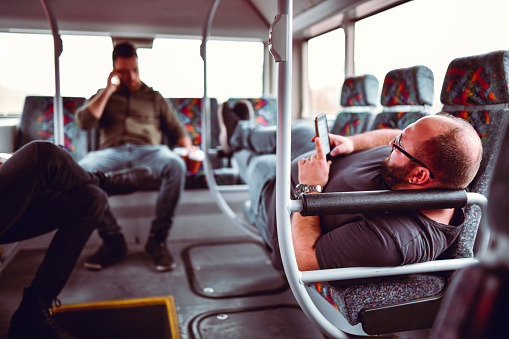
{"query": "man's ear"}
(419, 176)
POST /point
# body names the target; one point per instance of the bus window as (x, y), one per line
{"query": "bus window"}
(175, 68)
(27, 67)
(326, 72)
(235, 69)
(172, 66)
(430, 33)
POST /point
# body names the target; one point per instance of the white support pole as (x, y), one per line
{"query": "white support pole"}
(281, 49)
(58, 108)
(209, 175)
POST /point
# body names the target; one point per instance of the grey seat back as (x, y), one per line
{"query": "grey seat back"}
(359, 97)
(475, 88)
(407, 95)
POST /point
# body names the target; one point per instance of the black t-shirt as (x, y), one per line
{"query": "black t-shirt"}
(374, 239)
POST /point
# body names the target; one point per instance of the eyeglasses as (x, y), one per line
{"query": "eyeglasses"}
(397, 144)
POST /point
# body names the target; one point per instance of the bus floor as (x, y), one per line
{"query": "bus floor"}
(223, 286)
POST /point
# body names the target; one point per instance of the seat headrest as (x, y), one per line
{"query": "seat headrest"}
(498, 211)
(408, 86)
(360, 91)
(477, 80)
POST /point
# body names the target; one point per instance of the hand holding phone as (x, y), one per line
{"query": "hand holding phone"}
(322, 132)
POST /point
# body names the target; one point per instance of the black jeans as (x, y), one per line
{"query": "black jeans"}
(43, 189)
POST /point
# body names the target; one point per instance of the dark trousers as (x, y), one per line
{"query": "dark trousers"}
(43, 189)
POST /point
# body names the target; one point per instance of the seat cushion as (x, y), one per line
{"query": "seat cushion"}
(350, 300)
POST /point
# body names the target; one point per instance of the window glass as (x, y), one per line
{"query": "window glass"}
(173, 66)
(430, 33)
(326, 65)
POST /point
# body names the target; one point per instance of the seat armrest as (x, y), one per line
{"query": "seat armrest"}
(381, 201)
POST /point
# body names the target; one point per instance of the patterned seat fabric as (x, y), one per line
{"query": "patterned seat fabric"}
(37, 123)
(478, 80)
(472, 287)
(470, 81)
(402, 89)
(189, 113)
(350, 300)
(265, 109)
(359, 96)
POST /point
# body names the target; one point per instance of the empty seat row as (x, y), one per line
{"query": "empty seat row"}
(407, 95)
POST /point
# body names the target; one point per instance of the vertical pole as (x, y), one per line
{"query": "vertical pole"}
(282, 51)
(349, 28)
(58, 107)
(209, 175)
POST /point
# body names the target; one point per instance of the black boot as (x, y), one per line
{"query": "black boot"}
(111, 252)
(34, 320)
(125, 181)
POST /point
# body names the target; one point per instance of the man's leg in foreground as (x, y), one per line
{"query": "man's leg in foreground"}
(74, 213)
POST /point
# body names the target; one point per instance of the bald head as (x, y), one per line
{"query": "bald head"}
(451, 147)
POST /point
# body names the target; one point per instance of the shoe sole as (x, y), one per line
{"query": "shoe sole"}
(161, 268)
(93, 267)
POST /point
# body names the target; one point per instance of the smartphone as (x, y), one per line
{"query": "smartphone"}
(322, 131)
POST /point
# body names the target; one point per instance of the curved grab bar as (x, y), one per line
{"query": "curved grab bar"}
(58, 107)
(205, 118)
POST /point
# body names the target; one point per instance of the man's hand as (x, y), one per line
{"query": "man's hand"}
(315, 169)
(340, 145)
(113, 81)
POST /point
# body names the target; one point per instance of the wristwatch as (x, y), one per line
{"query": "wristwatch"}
(300, 189)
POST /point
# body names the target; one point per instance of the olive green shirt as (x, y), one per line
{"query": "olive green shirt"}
(138, 118)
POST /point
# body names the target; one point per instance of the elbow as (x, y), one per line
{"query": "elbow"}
(307, 262)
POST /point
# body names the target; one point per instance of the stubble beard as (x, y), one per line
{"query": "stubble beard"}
(394, 176)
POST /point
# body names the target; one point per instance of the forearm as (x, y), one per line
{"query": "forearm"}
(374, 138)
(98, 103)
(305, 233)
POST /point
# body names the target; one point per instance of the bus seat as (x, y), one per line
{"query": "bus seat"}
(265, 109)
(359, 96)
(479, 84)
(37, 123)
(189, 112)
(476, 89)
(478, 295)
(407, 94)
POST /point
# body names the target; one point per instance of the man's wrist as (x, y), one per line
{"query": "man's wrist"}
(301, 189)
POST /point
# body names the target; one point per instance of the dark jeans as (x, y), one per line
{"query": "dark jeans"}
(43, 189)
(254, 150)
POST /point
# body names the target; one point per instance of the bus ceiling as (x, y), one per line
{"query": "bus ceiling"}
(234, 19)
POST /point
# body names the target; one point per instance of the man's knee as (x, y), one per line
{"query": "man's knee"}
(44, 152)
(90, 202)
(174, 167)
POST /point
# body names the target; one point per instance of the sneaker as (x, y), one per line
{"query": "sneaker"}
(125, 181)
(112, 251)
(160, 254)
(244, 110)
(34, 319)
(228, 121)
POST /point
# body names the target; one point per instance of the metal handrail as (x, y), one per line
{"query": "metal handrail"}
(58, 107)
(205, 117)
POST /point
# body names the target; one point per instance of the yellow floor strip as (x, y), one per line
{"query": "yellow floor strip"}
(168, 301)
